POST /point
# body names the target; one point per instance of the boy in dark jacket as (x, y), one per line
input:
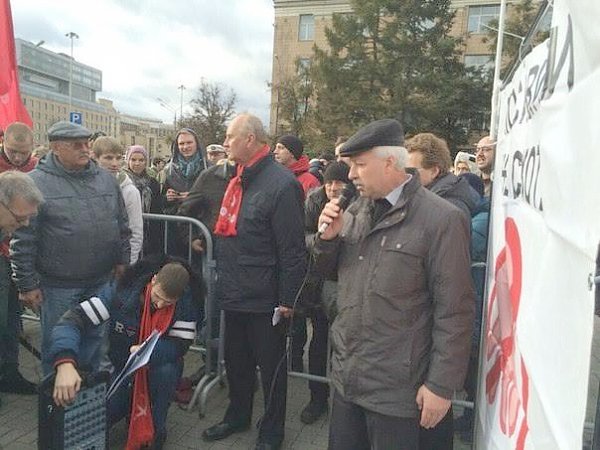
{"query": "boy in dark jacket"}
(144, 301)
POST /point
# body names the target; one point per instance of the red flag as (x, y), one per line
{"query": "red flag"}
(11, 106)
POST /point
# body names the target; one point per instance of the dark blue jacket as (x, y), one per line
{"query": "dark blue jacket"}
(77, 335)
(80, 232)
(264, 265)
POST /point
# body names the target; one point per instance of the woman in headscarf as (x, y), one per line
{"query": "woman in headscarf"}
(137, 163)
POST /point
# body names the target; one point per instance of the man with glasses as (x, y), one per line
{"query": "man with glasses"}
(484, 158)
(15, 155)
(80, 237)
(19, 200)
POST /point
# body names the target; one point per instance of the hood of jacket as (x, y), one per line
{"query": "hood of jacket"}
(301, 166)
(455, 190)
(176, 154)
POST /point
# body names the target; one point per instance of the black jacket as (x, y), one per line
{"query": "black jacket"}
(263, 265)
(457, 191)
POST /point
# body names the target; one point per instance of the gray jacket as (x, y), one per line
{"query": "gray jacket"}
(405, 301)
(80, 232)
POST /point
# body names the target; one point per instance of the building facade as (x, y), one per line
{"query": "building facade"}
(44, 78)
(301, 24)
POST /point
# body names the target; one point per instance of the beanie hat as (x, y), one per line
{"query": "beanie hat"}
(336, 171)
(293, 144)
(136, 149)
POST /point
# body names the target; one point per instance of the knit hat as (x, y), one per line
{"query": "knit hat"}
(293, 144)
(336, 171)
(136, 149)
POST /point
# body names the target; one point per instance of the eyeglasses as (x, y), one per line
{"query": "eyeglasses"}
(487, 148)
(21, 220)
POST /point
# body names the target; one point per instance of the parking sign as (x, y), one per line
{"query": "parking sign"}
(76, 117)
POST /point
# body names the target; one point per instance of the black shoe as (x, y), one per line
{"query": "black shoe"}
(221, 431)
(312, 412)
(267, 446)
(14, 383)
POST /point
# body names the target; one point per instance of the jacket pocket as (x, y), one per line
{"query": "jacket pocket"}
(257, 277)
(400, 275)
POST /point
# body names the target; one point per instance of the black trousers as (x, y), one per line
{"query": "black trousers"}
(440, 437)
(353, 427)
(317, 351)
(251, 340)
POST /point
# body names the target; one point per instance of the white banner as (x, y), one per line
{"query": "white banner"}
(544, 236)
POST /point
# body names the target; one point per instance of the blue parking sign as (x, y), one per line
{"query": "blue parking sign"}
(76, 117)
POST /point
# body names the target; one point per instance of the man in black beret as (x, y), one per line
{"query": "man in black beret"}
(401, 337)
(80, 237)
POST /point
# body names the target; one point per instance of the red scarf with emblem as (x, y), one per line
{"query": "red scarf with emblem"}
(226, 225)
(141, 427)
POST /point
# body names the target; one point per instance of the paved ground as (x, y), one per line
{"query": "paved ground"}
(18, 417)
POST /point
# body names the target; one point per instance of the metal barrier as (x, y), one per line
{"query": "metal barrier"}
(214, 372)
(214, 367)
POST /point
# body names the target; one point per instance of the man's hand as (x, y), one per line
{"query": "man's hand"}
(197, 245)
(286, 312)
(32, 299)
(119, 271)
(67, 384)
(433, 407)
(134, 348)
(172, 195)
(331, 215)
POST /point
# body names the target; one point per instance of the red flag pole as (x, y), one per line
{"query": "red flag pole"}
(11, 105)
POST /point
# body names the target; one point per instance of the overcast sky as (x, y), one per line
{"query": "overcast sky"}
(147, 48)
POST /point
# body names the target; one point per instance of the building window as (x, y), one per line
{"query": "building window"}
(479, 16)
(132, 140)
(484, 62)
(306, 27)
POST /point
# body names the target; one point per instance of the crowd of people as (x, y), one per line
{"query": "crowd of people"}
(386, 274)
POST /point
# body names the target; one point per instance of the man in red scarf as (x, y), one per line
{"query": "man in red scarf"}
(143, 301)
(289, 151)
(261, 262)
(15, 155)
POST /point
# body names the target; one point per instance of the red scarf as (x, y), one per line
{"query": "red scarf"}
(141, 428)
(226, 225)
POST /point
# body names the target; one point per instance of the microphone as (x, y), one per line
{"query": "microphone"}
(344, 200)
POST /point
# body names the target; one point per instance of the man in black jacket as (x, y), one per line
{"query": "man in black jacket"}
(261, 261)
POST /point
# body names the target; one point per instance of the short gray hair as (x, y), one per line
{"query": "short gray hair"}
(400, 154)
(15, 184)
(253, 125)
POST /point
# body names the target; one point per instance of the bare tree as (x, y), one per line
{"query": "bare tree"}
(213, 107)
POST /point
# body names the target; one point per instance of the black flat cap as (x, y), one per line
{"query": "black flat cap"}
(384, 132)
(66, 131)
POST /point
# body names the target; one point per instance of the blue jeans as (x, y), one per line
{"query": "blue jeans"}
(57, 301)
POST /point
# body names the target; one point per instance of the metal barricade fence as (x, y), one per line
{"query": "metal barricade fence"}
(214, 367)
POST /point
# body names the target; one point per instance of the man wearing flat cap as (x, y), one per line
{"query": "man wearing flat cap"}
(79, 238)
(405, 298)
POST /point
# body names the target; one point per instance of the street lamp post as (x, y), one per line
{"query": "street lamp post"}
(165, 105)
(181, 88)
(71, 36)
